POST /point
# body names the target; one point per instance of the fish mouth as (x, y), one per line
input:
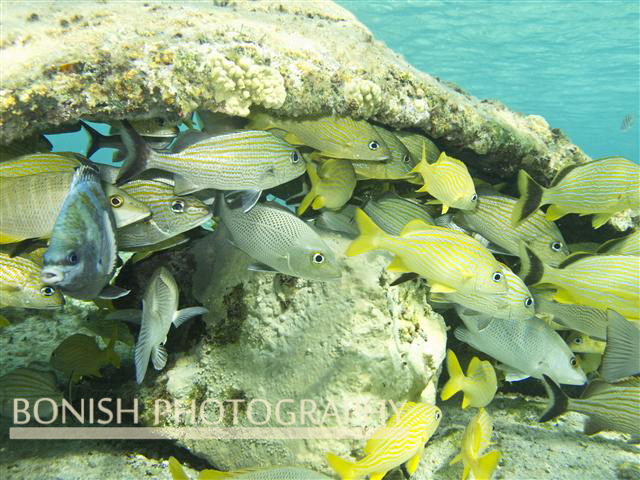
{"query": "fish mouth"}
(52, 275)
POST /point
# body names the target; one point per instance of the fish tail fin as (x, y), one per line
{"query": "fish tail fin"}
(97, 139)
(313, 192)
(343, 467)
(558, 400)
(138, 153)
(532, 269)
(531, 193)
(456, 459)
(369, 235)
(176, 470)
(456, 377)
(621, 355)
(487, 464)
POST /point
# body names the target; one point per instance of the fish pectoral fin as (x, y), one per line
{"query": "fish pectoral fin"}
(397, 265)
(445, 208)
(456, 459)
(562, 296)
(512, 375)
(440, 288)
(377, 475)
(159, 357)
(554, 213)
(182, 186)
(185, 314)
(405, 277)
(593, 426)
(600, 219)
(292, 138)
(412, 464)
(261, 267)
(244, 199)
(111, 292)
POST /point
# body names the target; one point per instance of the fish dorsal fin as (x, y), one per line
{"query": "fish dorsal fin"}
(574, 257)
(563, 173)
(416, 225)
(594, 388)
(188, 138)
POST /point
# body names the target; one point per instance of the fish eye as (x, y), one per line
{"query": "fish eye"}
(406, 159)
(318, 257)
(177, 206)
(528, 302)
(556, 246)
(72, 258)
(577, 340)
(474, 197)
(47, 291)
(438, 415)
(497, 276)
(295, 157)
(574, 362)
(116, 201)
(373, 145)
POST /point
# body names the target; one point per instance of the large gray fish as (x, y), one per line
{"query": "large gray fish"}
(622, 354)
(530, 347)
(247, 160)
(82, 253)
(31, 385)
(159, 312)
(588, 320)
(609, 406)
(280, 241)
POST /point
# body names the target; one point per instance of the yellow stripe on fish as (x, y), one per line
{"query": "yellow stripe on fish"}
(476, 439)
(398, 167)
(36, 163)
(21, 286)
(449, 260)
(331, 186)
(602, 187)
(627, 245)
(600, 281)
(391, 212)
(414, 143)
(402, 440)
(479, 385)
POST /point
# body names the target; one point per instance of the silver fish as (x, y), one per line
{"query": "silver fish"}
(82, 255)
(588, 320)
(159, 312)
(280, 241)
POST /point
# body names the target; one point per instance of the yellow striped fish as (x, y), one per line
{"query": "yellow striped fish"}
(337, 137)
(270, 473)
(448, 180)
(627, 245)
(331, 185)
(479, 385)
(31, 385)
(402, 440)
(29, 205)
(449, 260)
(78, 356)
(475, 441)
(170, 214)
(414, 142)
(600, 281)
(609, 406)
(21, 286)
(515, 304)
(581, 343)
(398, 167)
(602, 187)
(36, 163)
(492, 219)
(245, 160)
(588, 320)
(391, 212)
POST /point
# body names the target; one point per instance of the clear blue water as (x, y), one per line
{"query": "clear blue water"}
(577, 63)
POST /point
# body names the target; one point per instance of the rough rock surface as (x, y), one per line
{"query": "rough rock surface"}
(293, 58)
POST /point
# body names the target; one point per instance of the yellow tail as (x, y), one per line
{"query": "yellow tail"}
(370, 233)
(343, 467)
(313, 193)
(486, 465)
(177, 472)
(456, 377)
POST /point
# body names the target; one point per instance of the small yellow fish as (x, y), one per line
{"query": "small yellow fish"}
(449, 260)
(476, 439)
(402, 440)
(79, 355)
(479, 385)
(448, 180)
(331, 186)
(270, 473)
(414, 143)
(581, 343)
(602, 187)
(21, 286)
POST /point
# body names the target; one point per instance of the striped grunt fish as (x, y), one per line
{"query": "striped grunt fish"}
(602, 187)
(450, 261)
(79, 356)
(398, 167)
(479, 385)
(448, 180)
(600, 281)
(414, 142)
(588, 320)
(580, 343)
(475, 441)
(492, 219)
(402, 440)
(170, 214)
(332, 136)
(621, 355)
(36, 163)
(31, 385)
(391, 212)
(627, 245)
(20, 285)
(331, 185)
(609, 406)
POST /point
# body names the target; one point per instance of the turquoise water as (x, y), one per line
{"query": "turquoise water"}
(575, 63)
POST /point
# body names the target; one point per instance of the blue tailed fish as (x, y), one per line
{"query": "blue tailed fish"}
(79, 356)
(622, 353)
(32, 385)
(475, 441)
(601, 187)
(280, 242)
(600, 281)
(608, 406)
(332, 136)
(391, 212)
(398, 167)
(402, 440)
(249, 160)
(332, 185)
(627, 245)
(448, 180)
(492, 219)
(21, 286)
(567, 316)
(527, 348)
(450, 261)
(159, 312)
(479, 385)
